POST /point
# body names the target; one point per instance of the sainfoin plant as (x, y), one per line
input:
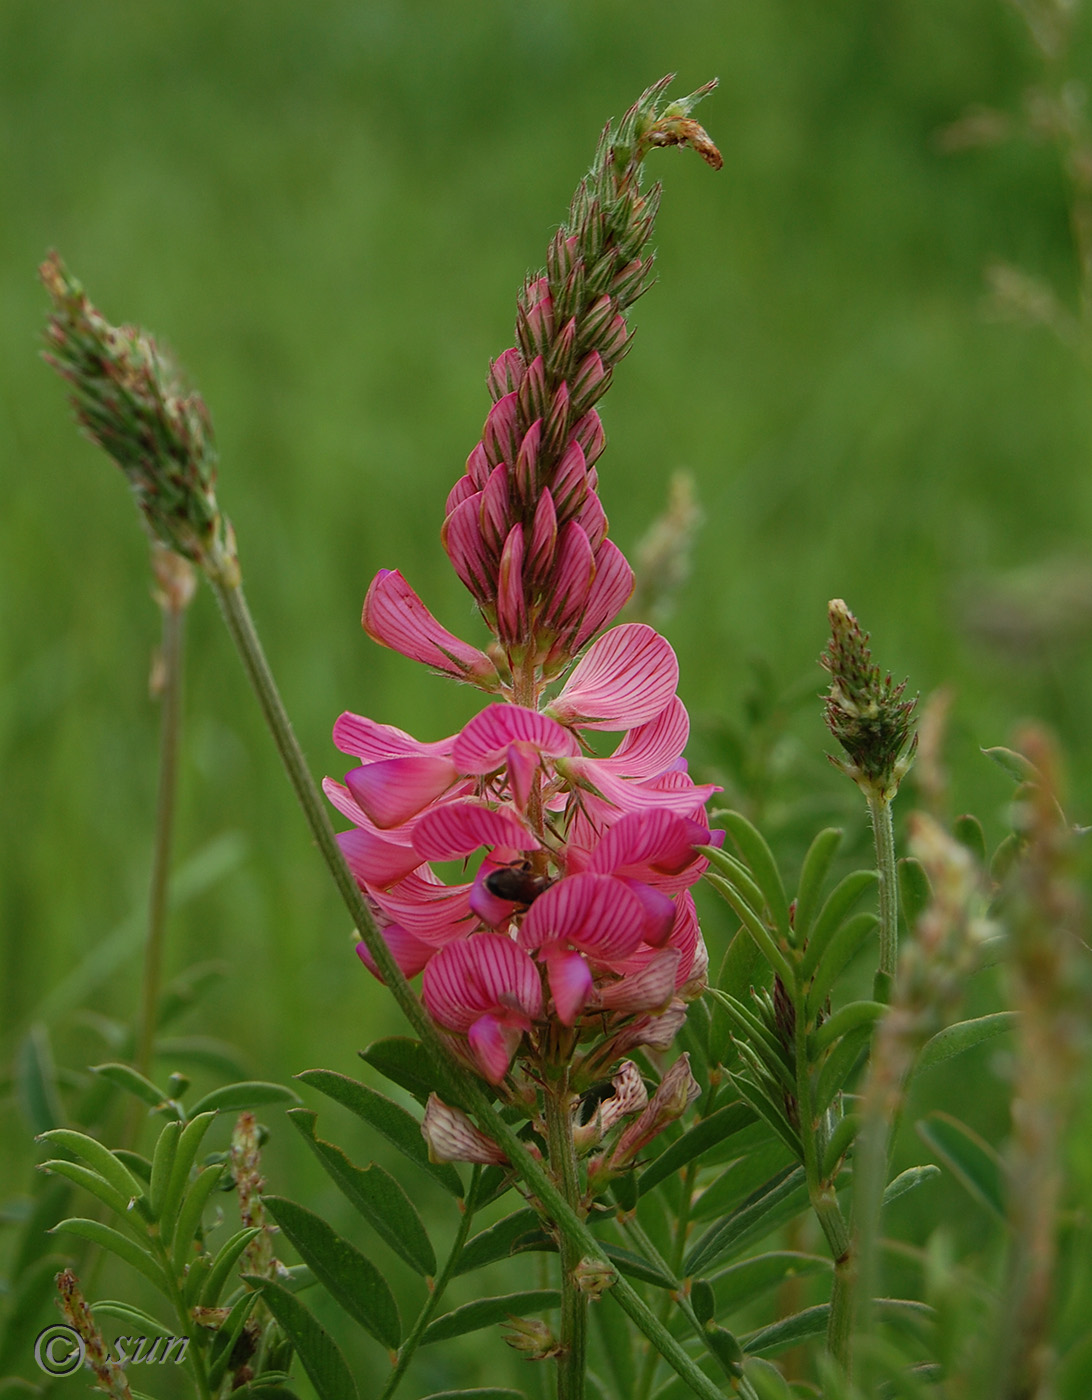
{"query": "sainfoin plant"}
(703, 1155)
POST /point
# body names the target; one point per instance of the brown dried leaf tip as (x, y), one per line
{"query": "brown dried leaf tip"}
(865, 710)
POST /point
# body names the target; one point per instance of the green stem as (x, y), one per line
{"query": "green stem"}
(409, 1347)
(169, 735)
(223, 576)
(883, 833)
(194, 1355)
(573, 1358)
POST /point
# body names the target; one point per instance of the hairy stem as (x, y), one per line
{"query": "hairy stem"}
(572, 1361)
(883, 832)
(223, 576)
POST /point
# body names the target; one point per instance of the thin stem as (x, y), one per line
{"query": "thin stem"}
(409, 1347)
(883, 832)
(223, 576)
(572, 1360)
(169, 734)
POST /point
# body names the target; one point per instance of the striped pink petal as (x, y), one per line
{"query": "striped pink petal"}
(371, 741)
(570, 484)
(626, 678)
(392, 791)
(424, 906)
(650, 988)
(477, 466)
(593, 520)
(525, 475)
(511, 595)
(643, 844)
(396, 617)
(571, 984)
(609, 593)
(501, 432)
(540, 553)
(505, 373)
(457, 828)
(636, 797)
(570, 587)
(588, 432)
(482, 746)
(492, 1044)
(376, 863)
(452, 1137)
(496, 511)
(484, 974)
(595, 913)
(409, 952)
(685, 939)
(461, 537)
(463, 488)
(652, 748)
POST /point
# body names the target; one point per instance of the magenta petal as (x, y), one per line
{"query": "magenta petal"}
(486, 973)
(540, 552)
(571, 984)
(396, 789)
(570, 484)
(685, 800)
(427, 908)
(626, 678)
(493, 1045)
(659, 912)
(461, 537)
(650, 988)
(596, 913)
(374, 862)
(371, 742)
(457, 828)
(396, 617)
(523, 764)
(477, 466)
(593, 520)
(641, 843)
(410, 953)
(511, 595)
(501, 432)
(496, 511)
(482, 747)
(463, 488)
(654, 747)
(609, 593)
(570, 587)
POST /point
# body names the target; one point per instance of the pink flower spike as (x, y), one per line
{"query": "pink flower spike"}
(396, 617)
(458, 828)
(596, 913)
(452, 1137)
(626, 678)
(609, 592)
(393, 791)
(571, 984)
(501, 432)
(376, 863)
(493, 1044)
(410, 953)
(482, 746)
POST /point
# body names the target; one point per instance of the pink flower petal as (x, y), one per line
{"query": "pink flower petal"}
(486, 973)
(650, 988)
(570, 587)
(570, 484)
(493, 1045)
(463, 488)
(595, 913)
(427, 908)
(588, 432)
(525, 475)
(609, 593)
(496, 511)
(659, 912)
(395, 617)
(489, 907)
(409, 952)
(501, 432)
(511, 594)
(478, 467)
(452, 1137)
(540, 553)
(482, 746)
(593, 520)
(392, 791)
(505, 373)
(376, 863)
(652, 748)
(457, 828)
(626, 678)
(371, 742)
(642, 844)
(636, 797)
(461, 537)
(571, 985)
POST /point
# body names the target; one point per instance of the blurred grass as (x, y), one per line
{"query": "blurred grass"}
(326, 211)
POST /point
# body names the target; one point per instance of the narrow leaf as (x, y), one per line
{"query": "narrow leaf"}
(737, 973)
(697, 1140)
(841, 1140)
(768, 1341)
(752, 922)
(253, 1093)
(967, 830)
(132, 1317)
(915, 891)
(739, 1284)
(320, 1356)
(162, 1164)
(98, 1157)
(753, 847)
(1019, 769)
(488, 1246)
(846, 1018)
(404, 1062)
(742, 1178)
(376, 1195)
(400, 1128)
(779, 1201)
(193, 1207)
(227, 1334)
(762, 1100)
(836, 909)
(346, 1274)
(736, 874)
(121, 1245)
(139, 1085)
(90, 1181)
(970, 1159)
(227, 1256)
(489, 1392)
(909, 1180)
(840, 949)
(840, 1064)
(813, 875)
(188, 1143)
(964, 1035)
(485, 1312)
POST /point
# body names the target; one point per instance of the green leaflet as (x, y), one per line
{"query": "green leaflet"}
(775, 1203)
(226, 1258)
(376, 1195)
(970, 1159)
(485, 1312)
(188, 1143)
(779, 1336)
(347, 1275)
(400, 1128)
(909, 1180)
(752, 846)
(162, 1164)
(964, 1035)
(496, 1243)
(813, 876)
(739, 1284)
(98, 1157)
(139, 1085)
(841, 946)
(701, 1138)
(404, 1062)
(321, 1358)
(91, 1181)
(836, 909)
(251, 1093)
(108, 1238)
(189, 1216)
(132, 1317)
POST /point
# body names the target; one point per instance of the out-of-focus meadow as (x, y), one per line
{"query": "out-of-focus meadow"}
(326, 212)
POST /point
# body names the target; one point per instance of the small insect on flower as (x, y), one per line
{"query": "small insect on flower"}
(517, 882)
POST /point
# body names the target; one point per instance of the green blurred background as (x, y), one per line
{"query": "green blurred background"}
(326, 211)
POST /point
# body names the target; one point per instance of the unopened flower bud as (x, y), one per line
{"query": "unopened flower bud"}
(593, 1276)
(531, 1336)
(452, 1137)
(678, 1089)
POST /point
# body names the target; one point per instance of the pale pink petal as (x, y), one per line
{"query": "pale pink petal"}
(461, 537)
(427, 908)
(371, 741)
(657, 1032)
(649, 988)
(452, 1137)
(595, 913)
(652, 748)
(409, 952)
(609, 593)
(376, 863)
(511, 594)
(482, 747)
(341, 798)
(593, 520)
(396, 617)
(626, 678)
(571, 984)
(522, 765)
(492, 1044)
(457, 828)
(396, 789)
(636, 797)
